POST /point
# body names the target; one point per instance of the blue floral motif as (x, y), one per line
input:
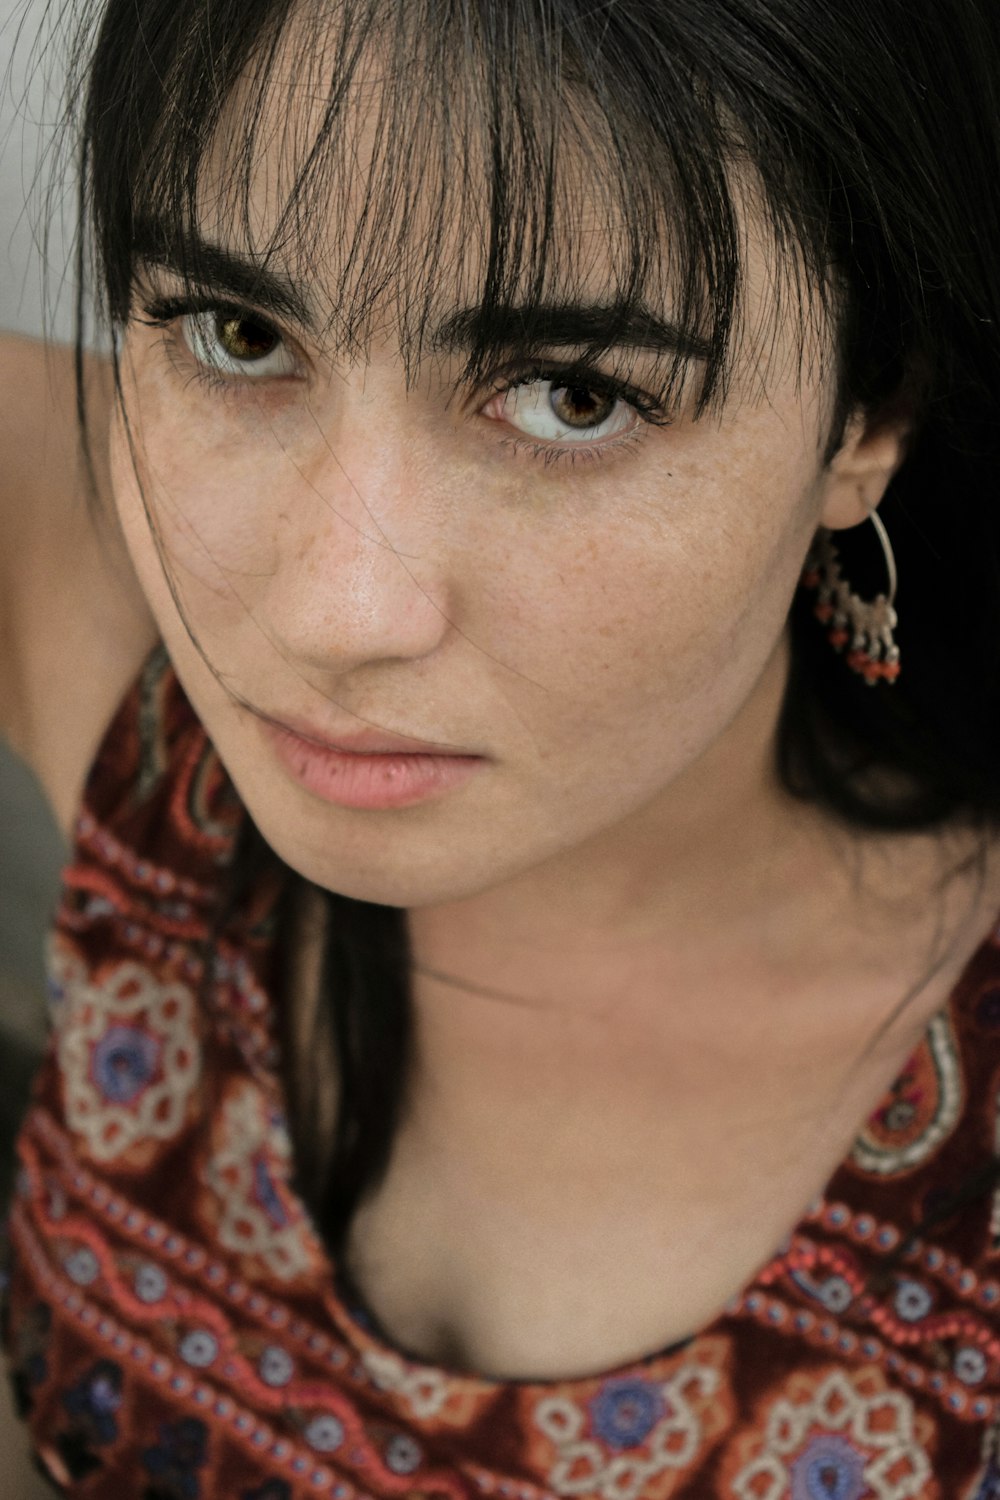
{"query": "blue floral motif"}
(970, 1365)
(91, 1405)
(199, 1348)
(324, 1433)
(403, 1454)
(124, 1062)
(989, 1484)
(829, 1469)
(835, 1294)
(912, 1300)
(275, 1366)
(624, 1412)
(95, 1399)
(82, 1266)
(171, 1464)
(266, 1194)
(150, 1284)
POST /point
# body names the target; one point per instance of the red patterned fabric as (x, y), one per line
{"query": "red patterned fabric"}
(177, 1331)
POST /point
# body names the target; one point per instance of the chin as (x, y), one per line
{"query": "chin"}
(397, 879)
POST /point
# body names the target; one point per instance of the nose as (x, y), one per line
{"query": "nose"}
(364, 573)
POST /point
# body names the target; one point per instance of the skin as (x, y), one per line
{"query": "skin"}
(607, 629)
(623, 927)
(603, 621)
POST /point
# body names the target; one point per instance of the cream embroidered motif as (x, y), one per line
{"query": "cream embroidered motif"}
(637, 1435)
(848, 1436)
(427, 1394)
(249, 1202)
(130, 1060)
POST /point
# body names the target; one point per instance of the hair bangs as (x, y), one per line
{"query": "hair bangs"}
(407, 162)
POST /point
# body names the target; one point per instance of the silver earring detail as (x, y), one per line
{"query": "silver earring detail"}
(866, 627)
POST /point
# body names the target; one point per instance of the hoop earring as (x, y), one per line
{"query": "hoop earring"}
(866, 625)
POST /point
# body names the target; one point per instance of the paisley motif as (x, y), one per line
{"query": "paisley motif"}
(920, 1111)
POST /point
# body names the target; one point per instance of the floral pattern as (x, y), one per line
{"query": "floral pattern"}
(839, 1435)
(246, 1196)
(130, 1061)
(173, 1463)
(634, 1435)
(176, 1329)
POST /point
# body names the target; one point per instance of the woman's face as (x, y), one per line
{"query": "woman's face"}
(556, 579)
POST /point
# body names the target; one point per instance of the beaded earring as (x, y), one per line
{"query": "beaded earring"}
(866, 626)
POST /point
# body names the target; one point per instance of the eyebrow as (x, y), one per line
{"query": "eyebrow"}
(512, 326)
(190, 255)
(569, 324)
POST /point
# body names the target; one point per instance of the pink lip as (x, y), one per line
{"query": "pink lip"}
(364, 741)
(351, 775)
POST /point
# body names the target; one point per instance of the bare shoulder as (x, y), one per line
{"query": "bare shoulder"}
(74, 625)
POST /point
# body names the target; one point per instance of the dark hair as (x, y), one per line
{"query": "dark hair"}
(871, 131)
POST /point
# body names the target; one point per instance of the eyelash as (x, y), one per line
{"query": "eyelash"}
(163, 312)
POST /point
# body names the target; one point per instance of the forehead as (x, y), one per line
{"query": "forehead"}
(347, 164)
(397, 178)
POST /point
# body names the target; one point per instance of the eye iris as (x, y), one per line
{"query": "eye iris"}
(579, 407)
(242, 338)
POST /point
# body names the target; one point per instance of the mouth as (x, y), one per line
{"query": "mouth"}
(364, 741)
(368, 769)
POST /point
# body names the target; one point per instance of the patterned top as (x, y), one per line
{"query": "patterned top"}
(177, 1331)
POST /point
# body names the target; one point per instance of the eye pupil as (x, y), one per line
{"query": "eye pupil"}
(242, 338)
(579, 407)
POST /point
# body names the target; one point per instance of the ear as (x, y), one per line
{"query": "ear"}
(859, 472)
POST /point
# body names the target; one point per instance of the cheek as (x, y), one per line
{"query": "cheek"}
(652, 591)
(677, 599)
(196, 492)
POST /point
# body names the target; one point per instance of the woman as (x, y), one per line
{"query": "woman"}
(524, 995)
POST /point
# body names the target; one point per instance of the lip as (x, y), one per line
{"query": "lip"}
(350, 776)
(363, 741)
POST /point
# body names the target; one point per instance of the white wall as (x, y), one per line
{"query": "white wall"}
(30, 301)
(35, 189)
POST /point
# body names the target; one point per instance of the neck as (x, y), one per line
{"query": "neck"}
(723, 838)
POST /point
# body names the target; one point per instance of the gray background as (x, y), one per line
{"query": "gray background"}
(36, 195)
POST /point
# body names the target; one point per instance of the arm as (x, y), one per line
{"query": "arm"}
(74, 625)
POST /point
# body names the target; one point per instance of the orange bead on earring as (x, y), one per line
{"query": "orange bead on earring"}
(866, 626)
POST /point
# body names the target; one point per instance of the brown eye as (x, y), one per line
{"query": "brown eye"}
(552, 412)
(238, 346)
(579, 407)
(243, 338)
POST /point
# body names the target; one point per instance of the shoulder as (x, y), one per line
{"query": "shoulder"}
(74, 625)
